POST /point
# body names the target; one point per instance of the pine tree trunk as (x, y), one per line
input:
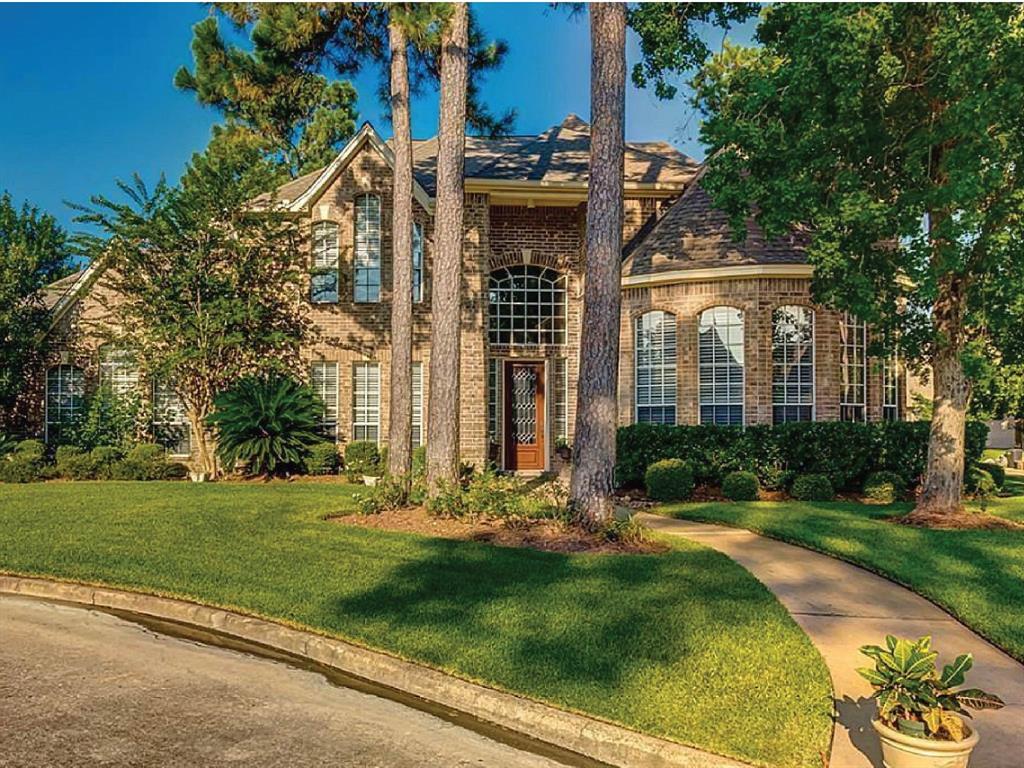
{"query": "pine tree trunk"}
(446, 304)
(594, 447)
(942, 489)
(400, 421)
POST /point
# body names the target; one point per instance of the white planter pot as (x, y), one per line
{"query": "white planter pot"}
(370, 480)
(902, 751)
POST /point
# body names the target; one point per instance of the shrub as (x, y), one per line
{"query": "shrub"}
(7, 444)
(146, 461)
(74, 463)
(108, 418)
(884, 487)
(104, 457)
(629, 530)
(998, 472)
(20, 468)
(388, 494)
(323, 459)
(362, 457)
(669, 480)
(980, 484)
(812, 488)
(449, 500)
(175, 470)
(31, 449)
(740, 486)
(267, 422)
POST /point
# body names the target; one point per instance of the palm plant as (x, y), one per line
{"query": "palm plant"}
(267, 422)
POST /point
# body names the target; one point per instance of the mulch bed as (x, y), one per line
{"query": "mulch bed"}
(545, 535)
(967, 521)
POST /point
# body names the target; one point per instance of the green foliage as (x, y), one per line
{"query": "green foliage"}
(845, 451)
(74, 463)
(914, 697)
(507, 498)
(104, 457)
(33, 253)
(389, 493)
(812, 488)
(146, 461)
(109, 418)
(362, 457)
(997, 471)
(20, 468)
(884, 487)
(740, 486)
(981, 486)
(31, 449)
(7, 444)
(269, 423)
(669, 480)
(323, 459)
(628, 530)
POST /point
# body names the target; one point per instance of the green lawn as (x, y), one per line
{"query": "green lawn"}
(685, 645)
(978, 576)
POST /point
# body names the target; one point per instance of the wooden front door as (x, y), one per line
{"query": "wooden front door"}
(524, 415)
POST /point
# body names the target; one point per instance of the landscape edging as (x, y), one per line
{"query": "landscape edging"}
(596, 739)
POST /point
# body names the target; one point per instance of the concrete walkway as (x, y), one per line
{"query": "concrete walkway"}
(842, 607)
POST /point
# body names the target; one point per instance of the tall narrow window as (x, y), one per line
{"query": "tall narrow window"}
(494, 377)
(417, 404)
(367, 257)
(720, 366)
(170, 420)
(561, 385)
(323, 378)
(891, 387)
(417, 262)
(655, 385)
(792, 364)
(65, 396)
(853, 339)
(118, 371)
(324, 277)
(526, 306)
(366, 402)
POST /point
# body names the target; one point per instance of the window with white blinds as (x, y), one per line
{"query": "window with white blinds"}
(118, 371)
(323, 378)
(65, 398)
(720, 366)
(792, 364)
(367, 253)
(561, 385)
(324, 276)
(891, 387)
(853, 338)
(417, 404)
(417, 262)
(366, 402)
(655, 357)
(170, 420)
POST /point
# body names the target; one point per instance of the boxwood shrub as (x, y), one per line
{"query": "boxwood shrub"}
(812, 488)
(323, 459)
(845, 451)
(997, 471)
(669, 480)
(362, 457)
(740, 486)
(884, 487)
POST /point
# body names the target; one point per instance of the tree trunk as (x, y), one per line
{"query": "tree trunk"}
(206, 461)
(446, 304)
(594, 447)
(942, 488)
(400, 422)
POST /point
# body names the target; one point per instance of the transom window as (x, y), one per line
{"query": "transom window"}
(367, 256)
(65, 398)
(417, 262)
(655, 358)
(720, 366)
(324, 277)
(366, 402)
(527, 306)
(170, 420)
(891, 387)
(417, 404)
(323, 378)
(118, 370)
(792, 364)
(853, 337)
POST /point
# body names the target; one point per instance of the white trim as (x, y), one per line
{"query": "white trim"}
(366, 134)
(71, 295)
(719, 273)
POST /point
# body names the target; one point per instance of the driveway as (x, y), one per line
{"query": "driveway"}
(84, 688)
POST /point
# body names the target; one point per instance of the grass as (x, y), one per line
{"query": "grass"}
(978, 576)
(685, 645)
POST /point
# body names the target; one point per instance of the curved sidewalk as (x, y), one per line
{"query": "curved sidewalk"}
(842, 607)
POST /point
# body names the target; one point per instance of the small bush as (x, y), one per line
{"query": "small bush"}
(323, 459)
(74, 463)
(104, 457)
(669, 480)
(884, 487)
(146, 461)
(997, 471)
(980, 483)
(449, 501)
(362, 457)
(627, 531)
(812, 488)
(419, 462)
(31, 449)
(7, 444)
(388, 494)
(20, 468)
(740, 486)
(175, 470)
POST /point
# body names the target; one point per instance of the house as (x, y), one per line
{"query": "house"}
(713, 331)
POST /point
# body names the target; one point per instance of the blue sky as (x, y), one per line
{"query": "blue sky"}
(87, 95)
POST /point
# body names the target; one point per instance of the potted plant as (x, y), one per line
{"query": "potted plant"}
(563, 449)
(920, 711)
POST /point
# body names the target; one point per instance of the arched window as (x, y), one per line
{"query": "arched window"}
(655, 356)
(367, 256)
(720, 366)
(65, 396)
(792, 364)
(324, 278)
(527, 306)
(853, 341)
(118, 370)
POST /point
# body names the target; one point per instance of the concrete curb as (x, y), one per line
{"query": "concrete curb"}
(586, 736)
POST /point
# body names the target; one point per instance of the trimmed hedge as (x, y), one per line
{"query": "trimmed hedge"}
(323, 459)
(812, 488)
(669, 480)
(740, 486)
(845, 451)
